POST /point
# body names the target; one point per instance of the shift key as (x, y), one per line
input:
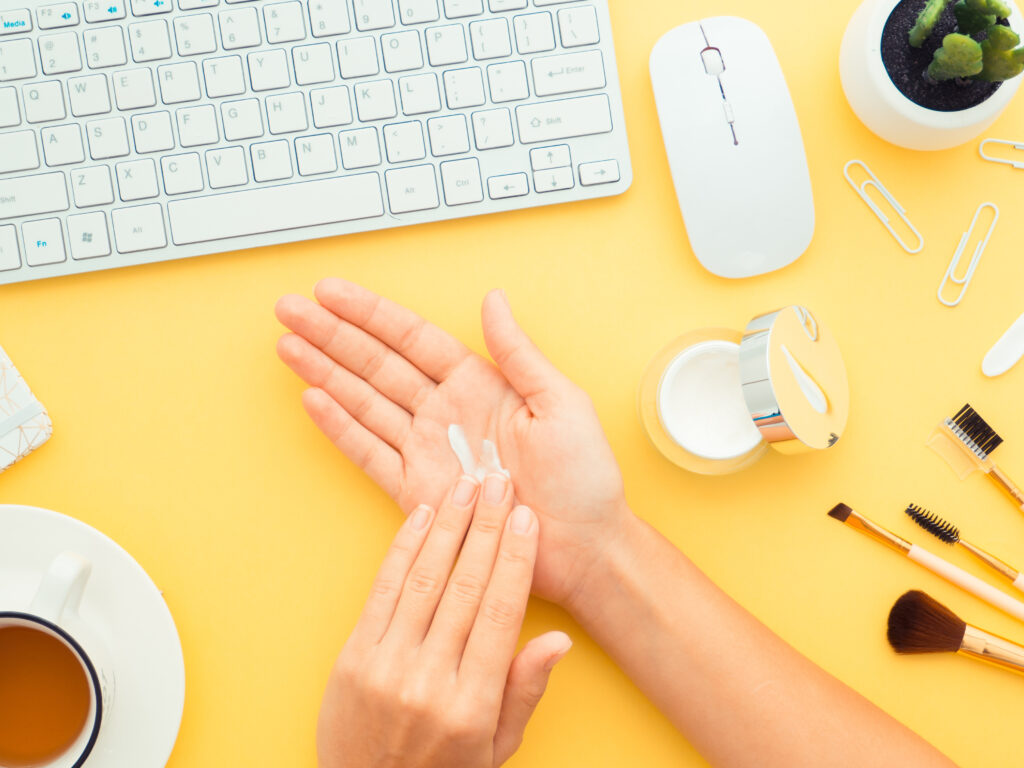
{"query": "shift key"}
(564, 118)
(31, 195)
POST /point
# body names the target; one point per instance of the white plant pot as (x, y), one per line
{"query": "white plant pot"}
(885, 110)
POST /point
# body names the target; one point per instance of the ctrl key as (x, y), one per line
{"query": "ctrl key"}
(9, 258)
(44, 242)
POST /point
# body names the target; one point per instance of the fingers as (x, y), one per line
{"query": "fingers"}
(387, 587)
(369, 407)
(431, 350)
(527, 681)
(364, 449)
(492, 641)
(429, 574)
(352, 348)
(531, 374)
(465, 590)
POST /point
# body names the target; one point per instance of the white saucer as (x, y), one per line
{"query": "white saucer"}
(128, 613)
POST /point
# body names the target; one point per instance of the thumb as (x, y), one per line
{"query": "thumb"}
(527, 679)
(531, 374)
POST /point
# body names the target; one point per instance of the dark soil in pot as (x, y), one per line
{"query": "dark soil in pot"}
(906, 66)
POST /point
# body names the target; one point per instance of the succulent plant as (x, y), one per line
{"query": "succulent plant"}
(1001, 57)
(959, 57)
(997, 8)
(926, 21)
(971, 21)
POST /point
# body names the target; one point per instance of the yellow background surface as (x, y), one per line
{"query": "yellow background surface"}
(180, 435)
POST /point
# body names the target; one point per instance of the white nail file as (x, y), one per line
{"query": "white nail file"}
(1007, 351)
(24, 423)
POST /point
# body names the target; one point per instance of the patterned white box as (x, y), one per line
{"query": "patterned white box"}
(24, 423)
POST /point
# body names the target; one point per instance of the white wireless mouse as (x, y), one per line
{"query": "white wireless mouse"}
(734, 146)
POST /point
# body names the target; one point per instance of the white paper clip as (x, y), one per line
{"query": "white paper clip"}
(965, 281)
(862, 192)
(1019, 164)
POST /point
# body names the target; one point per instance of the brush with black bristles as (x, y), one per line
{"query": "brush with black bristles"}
(921, 624)
(966, 442)
(949, 533)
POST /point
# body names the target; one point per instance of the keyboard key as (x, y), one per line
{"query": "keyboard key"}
(103, 10)
(239, 28)
(107, 138)
(92, 186)
(446, 45)
(497, 6)
(553, 180)
(358, 57)
(360, 148)
(603, 172)
(490, 39)
(286, 113)
(87, 235)
(448, 135)
(417, 11)
(32, 195)
(139, 229)
(375, 100)
(285, 22)
(136, 180)
(509, 185)
(541, 3)
(492, 129)
(60, 53)
(507, 81)
(89, 95)
(331, 106)
(152, 132)
(578, 26)
(563, 119)
(464, 88)
(313, 64)
(374, 14)
(57, 15)
(412, 189)
(328, 18)
(271, 209)
(402, 51)
(315, 154)
(104, 47)
(14, 21)
(195, 34)
(192, 5)
(419, 94)
(226, 167)
(224, 77)
(268, 70)
(461, 181)
(62, 145)
(197, 126)
(43, 102)
(10, 257)
(271, 161)
(568, 73)
(18, 152)
(150, 41)
(182, 174)
(404, 142)
(534, 33)
(17, 60)
(543, 158)
(10, 115)
(134, 89)
(458, 9)
(242, 119)
(151, 7)
(178, 82)
(44, 242)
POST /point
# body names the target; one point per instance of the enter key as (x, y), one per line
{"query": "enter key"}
(568, 73)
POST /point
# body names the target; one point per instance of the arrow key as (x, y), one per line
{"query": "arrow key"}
(545, 158)
(508, 185)
(603, 172)
(553, 180)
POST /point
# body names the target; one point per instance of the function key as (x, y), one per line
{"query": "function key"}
(57, 15)
(13, 22)
(191, 5)
(103, 10)
(151, 7)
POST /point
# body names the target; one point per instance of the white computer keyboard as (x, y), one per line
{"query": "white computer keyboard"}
(134, 131)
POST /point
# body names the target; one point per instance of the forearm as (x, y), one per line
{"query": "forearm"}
(741, 695)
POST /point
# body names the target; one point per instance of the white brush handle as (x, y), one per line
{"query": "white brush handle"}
(1019, 583)
(964, 580)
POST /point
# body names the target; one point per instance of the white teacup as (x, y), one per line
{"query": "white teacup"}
(52, 617)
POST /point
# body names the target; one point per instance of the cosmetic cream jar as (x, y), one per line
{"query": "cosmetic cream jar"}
(713, 401)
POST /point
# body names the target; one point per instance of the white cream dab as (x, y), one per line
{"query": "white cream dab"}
(489, 461)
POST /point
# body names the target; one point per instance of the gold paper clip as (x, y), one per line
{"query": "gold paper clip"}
(965, 281)
(1019, 164)
(862, 192)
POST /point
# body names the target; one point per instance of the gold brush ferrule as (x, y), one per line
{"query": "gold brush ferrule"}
(996, 650)
(991, 560)
(1003, 481)
(877, 532)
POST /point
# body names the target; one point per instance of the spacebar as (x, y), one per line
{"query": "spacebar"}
(270, 209)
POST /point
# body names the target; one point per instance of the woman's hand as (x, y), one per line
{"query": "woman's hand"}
(428, 678)
(386, 384)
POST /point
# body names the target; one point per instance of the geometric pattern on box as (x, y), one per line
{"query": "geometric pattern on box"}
(24, 423)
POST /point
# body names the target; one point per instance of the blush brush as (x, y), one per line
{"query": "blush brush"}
(950, 534)
(920, 624)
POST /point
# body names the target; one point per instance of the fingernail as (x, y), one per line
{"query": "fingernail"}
(522, 520)
(421, 517)
(557, 657)
(494, 489)
(465, 491)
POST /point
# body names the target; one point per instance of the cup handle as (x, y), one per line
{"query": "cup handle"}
(62, 587)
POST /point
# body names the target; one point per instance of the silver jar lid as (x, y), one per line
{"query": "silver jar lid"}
(794, 380)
